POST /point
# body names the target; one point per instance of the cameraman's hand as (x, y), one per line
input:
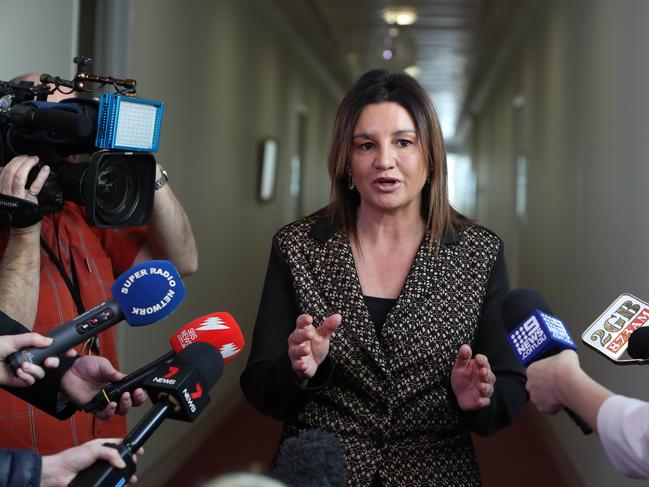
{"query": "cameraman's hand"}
(13, 178)
(89, 375)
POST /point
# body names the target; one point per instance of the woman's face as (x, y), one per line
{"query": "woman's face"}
(387, 164)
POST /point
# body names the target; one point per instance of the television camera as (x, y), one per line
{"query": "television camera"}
(119, 131)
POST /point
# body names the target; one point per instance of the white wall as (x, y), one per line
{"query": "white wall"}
(230, 73)
(38, 36)
(584, 72)
(229, 77)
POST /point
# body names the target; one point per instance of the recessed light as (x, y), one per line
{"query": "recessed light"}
(400, 15)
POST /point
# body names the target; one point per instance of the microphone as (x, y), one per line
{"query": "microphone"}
(218, 329)
(179, 391)
(639, 344)
(534, 333)
(50, 117)
(144, 294)
(313, 458)
(611, 333)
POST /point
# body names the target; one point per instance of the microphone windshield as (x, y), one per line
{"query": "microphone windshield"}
(218, 329)
(148, 292)
(638, 347)
(518, 304)
(207, 360)
(63, 123)
(312, 458)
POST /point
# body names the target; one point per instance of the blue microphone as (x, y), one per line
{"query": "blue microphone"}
(534, 333)
(146, 293)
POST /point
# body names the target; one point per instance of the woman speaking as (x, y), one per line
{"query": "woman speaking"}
(380, 314)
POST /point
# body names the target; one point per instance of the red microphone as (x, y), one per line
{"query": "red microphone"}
(219, 329)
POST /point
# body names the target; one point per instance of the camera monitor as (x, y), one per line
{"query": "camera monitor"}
(127, 123)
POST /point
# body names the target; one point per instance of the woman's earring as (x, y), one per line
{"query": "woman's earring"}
(350, 183)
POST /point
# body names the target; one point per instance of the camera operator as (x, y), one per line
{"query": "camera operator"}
(19, 268)
(78, 264)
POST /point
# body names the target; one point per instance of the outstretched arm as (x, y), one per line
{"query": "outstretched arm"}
(508, 389)
(170, 234)
(90, 374)
(62, 468)
(559, 381)
(20, 264)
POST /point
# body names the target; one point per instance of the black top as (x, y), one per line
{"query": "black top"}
(378, 309)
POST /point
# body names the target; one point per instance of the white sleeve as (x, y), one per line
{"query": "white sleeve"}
(623, 427)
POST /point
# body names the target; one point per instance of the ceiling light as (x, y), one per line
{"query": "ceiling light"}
(387, 54)
(400, 15)
(393, 32)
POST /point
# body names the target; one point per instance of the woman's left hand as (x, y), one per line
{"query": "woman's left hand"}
(472, 380)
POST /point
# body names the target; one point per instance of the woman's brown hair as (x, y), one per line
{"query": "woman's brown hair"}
(379, 86)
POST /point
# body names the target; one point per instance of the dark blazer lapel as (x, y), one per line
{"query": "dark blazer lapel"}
(420, 293)
(423, 279)
(356, 337)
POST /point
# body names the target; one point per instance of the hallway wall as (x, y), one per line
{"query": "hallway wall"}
(583, 73)
(50, 43)
(230, 75)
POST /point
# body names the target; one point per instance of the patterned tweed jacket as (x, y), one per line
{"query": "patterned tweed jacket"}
(387, 397)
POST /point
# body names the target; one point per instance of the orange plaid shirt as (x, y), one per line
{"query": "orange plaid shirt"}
(99, 255)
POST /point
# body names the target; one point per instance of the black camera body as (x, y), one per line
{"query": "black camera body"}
(116, 184)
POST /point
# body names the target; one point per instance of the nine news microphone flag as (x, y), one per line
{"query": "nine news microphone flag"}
(218, 329)
(534, 333)
(144, 294)
(179, 390)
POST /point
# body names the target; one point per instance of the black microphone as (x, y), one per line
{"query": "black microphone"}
(63, 123)
(639, 343)
(144, 294)
(179, 391)
(219, 329)
(534, 333)
(132, 381)
(311, 459)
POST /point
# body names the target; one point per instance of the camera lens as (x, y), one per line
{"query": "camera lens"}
(117, 191)
(117, 188)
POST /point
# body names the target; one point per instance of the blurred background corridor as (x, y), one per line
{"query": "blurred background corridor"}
(545, 110)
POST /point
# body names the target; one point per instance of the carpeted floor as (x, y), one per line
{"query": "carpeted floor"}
(505, 458)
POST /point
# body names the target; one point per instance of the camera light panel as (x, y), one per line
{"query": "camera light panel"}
(128, 123)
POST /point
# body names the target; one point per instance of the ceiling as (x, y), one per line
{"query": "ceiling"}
(454, 43)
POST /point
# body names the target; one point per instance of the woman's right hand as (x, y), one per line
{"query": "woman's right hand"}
(308, 346)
